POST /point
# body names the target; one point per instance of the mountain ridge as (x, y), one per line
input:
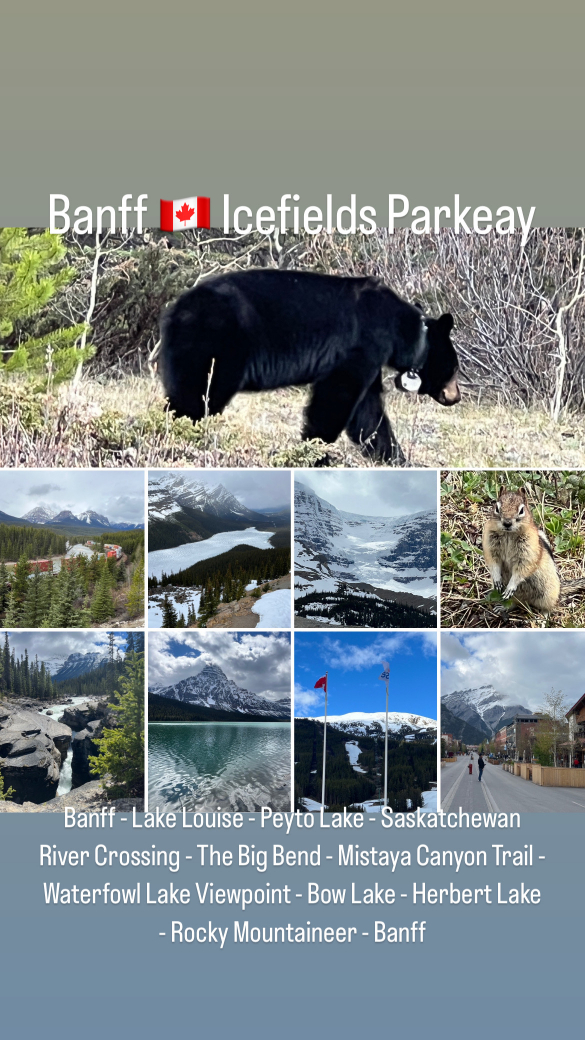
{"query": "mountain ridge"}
(211, 688)
(181, 510)
(483, 708)
(341, 555)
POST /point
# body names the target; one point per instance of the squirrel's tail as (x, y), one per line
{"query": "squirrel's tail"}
(570, 588)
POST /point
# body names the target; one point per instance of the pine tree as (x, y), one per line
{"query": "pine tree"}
(13, 616)
(135, 602)
(170, 618)
(121, 750)
(102, 604)
(32, 270)
(4, 579)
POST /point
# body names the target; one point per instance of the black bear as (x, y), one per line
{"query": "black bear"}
(261, 329)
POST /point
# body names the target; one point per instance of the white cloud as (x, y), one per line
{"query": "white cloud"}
(48, 645)
(521, 665)
(258, 663)
(306, 698)
(371, 493)
(357, 656)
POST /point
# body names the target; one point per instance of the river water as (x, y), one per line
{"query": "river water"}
(56, 711)
(233, 766)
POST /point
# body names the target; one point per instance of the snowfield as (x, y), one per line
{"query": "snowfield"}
(362, 719)
(353, 749)
(274, 609)
(393, 553)
(170, 561)
(155, 609)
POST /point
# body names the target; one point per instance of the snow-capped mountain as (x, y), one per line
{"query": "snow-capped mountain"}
(182, 510)
(168, 494)
(95, 519)
(335, 548)
(482, 707)
(212, 689)
(399, 722)
(46, 515)
(75, 664)
(40, 514)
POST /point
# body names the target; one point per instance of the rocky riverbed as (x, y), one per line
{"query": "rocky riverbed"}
(34, 745)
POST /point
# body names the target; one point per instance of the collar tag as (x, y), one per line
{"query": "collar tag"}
(410, 381)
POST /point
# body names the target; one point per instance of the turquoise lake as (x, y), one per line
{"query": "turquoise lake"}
(233, 766)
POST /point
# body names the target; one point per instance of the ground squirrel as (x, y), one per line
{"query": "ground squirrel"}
(519, 557)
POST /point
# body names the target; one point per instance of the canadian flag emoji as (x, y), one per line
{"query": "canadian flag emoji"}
(178, 214)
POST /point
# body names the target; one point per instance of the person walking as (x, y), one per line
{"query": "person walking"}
(480, 766)
(470, 767)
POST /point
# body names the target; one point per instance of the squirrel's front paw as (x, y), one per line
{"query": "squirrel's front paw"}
(498, 585)
(509, 591)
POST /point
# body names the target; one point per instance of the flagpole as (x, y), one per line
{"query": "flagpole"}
(324, 746)
(386, 748)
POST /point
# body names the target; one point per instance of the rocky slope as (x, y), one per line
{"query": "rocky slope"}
(212, 689)
(341, 554)
(183, 510)
(484, 708)
(75, 664)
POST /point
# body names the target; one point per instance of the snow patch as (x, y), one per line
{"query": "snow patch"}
(274, 609)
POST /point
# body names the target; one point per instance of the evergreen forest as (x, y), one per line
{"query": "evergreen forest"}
(222, 579)
(360, 610)
(412, 765)
(23, 677)
(85, 592)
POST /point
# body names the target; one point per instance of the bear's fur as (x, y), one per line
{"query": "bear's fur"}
(261, 329)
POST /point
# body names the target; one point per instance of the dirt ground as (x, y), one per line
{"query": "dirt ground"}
(239, 614)
(125, 423)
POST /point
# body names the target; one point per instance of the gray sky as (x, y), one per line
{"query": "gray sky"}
(255, 662)
(117, 494)
(373, 492)
(48, 645)
(254, 489)
(521, 665)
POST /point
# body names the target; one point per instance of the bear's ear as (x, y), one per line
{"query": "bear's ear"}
(418, 305)
(445, 323)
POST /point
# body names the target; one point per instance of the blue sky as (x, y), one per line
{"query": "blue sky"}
(354, 662)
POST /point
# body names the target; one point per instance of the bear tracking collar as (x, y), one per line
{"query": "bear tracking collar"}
(411, 379)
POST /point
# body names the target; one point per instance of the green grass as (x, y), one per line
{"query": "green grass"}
(468, 599)
(126, 422)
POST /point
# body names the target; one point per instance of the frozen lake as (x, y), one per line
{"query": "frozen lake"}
(172, 560)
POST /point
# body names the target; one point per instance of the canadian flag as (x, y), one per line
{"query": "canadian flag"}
(321, 682)
(179, 214)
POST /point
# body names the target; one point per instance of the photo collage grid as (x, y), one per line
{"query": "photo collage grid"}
(228, 582)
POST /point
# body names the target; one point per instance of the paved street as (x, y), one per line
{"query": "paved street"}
(501, 791)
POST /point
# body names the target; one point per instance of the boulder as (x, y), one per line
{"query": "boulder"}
(80, 715)
(32, 749)
(30, 764)
(83, 747)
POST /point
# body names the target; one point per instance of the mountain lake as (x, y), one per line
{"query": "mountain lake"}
(205, 766)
